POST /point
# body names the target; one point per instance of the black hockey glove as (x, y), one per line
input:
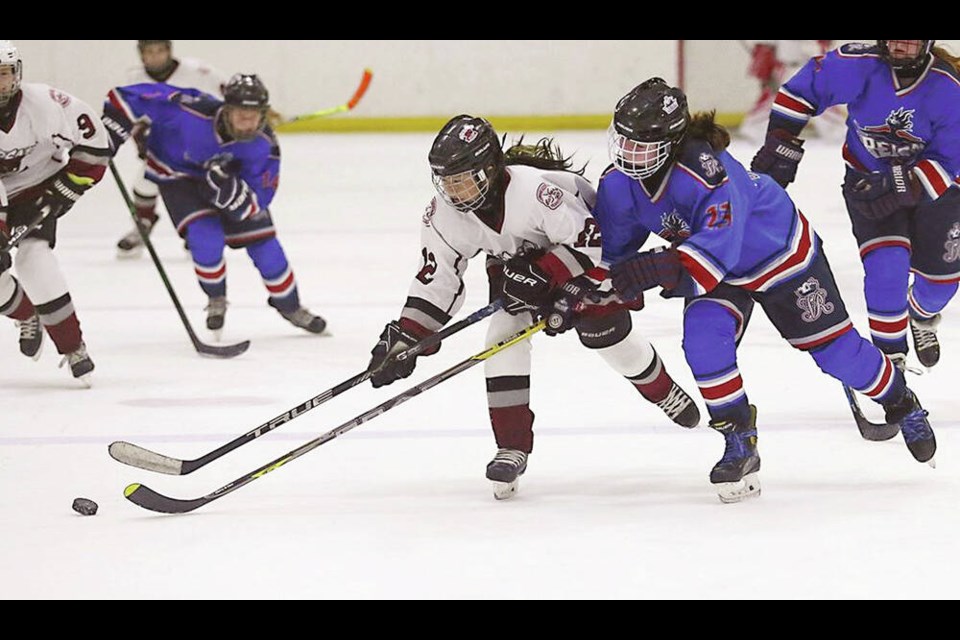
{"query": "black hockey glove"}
(779, 157)
(526, 287)
(878, 195)
(384, 368)
(229, 193)
(658, 267)
(60, 194)
(566, 304)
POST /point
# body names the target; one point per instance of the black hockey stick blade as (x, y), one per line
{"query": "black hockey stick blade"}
(149, 499)
(873, 431)
(221, 351)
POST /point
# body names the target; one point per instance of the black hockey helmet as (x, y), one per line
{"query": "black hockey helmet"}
(908, 55)
(245, 91)
(647, 124)
(466, 162)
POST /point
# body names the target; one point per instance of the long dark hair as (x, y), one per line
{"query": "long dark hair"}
(703, 126)
(545, 154)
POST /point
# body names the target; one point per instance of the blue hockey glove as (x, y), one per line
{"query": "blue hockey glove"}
(779, 157)
(880, 194)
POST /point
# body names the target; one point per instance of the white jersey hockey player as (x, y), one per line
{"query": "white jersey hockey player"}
(53, 148)
(158, 64)
(529, 215)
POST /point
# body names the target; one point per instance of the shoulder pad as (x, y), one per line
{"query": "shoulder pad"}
(699, 159)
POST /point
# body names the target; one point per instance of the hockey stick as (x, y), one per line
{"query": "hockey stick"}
(147, 498)
(21, 231)
(873, 431)
(219, 351)
(137, 456)
(346, 106)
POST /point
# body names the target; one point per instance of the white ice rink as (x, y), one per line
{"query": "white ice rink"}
(616, 502)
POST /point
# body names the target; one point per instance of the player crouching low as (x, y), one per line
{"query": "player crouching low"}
(528, 213)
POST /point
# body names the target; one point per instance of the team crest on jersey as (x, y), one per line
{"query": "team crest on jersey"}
(812, 299)
(711, 166)
(468, 133)
(549, 195)
(429, 211)
(894, 138)
(673, 228)
(10, 160)
(670, 104)
(952, 245)
(59, 97)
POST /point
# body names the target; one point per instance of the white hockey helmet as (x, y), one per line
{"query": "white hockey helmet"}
(10, 56)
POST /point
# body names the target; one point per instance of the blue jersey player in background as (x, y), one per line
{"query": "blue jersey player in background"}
(736, 239)
(217, 164)
(902, 155)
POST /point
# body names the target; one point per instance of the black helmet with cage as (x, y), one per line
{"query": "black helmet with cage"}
(467, 163)
(905, 55)
(648, 123)
(245, 91)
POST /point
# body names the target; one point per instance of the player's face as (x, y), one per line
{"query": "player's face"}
(9, 82)
(462, 190)
(634, 158)
(904, 49)
(155, 56)
(244, 122)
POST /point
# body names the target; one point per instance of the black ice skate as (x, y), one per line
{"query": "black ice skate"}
(925, 341)
(916, 429)
(216, 313)
(737, 473)
(304, 319)
(81, 366)
(31, 337)
(131, 245)
(505, 470)
(680, 407)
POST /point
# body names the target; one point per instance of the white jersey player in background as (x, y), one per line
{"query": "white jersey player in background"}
(529, 214)
(53, 148)
(773, 62)
(158, 64)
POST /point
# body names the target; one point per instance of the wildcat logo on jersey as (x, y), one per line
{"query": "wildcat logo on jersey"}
(711, 166)
(813, 300)
(673, 228)
(429, 211)
(952, 245)
(10, 160)
(549, 195)
(59, 97)
(894, 138)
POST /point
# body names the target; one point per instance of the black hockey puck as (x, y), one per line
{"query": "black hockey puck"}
(85, 507)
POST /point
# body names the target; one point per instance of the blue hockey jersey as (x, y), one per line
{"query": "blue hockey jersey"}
(729, 225)
(917, 126)
(184, 141)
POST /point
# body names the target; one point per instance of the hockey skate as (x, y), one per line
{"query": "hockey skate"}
(680, 407)
(916, 429)
(305, 320)
(505, 470)
(131, 245)
(81, 366)
(925, 341)
(736, 475)
(216, 313)
(31, 337)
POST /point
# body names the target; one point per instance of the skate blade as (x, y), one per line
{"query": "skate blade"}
(86, 380)
(217, 334)
(505, 490)
(730, 492)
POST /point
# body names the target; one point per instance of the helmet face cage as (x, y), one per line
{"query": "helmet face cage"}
(10, 57)
(245, 92)
(905, 54)
(634, 158)
(465, 161)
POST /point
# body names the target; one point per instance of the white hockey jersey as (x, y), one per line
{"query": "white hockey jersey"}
(189, 74)
(51, 129)
(549, 210)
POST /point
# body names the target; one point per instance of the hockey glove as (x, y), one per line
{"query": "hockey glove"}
(567, 303)
(394, 339)
(61, 193)
(229, 193)
(140, 133)
(878, 195)
(526, 286)
(658, 267)
(779, 157)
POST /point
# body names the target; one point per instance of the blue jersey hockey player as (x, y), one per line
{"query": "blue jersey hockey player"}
(902, 155)
(736, 239)
(217, 164)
